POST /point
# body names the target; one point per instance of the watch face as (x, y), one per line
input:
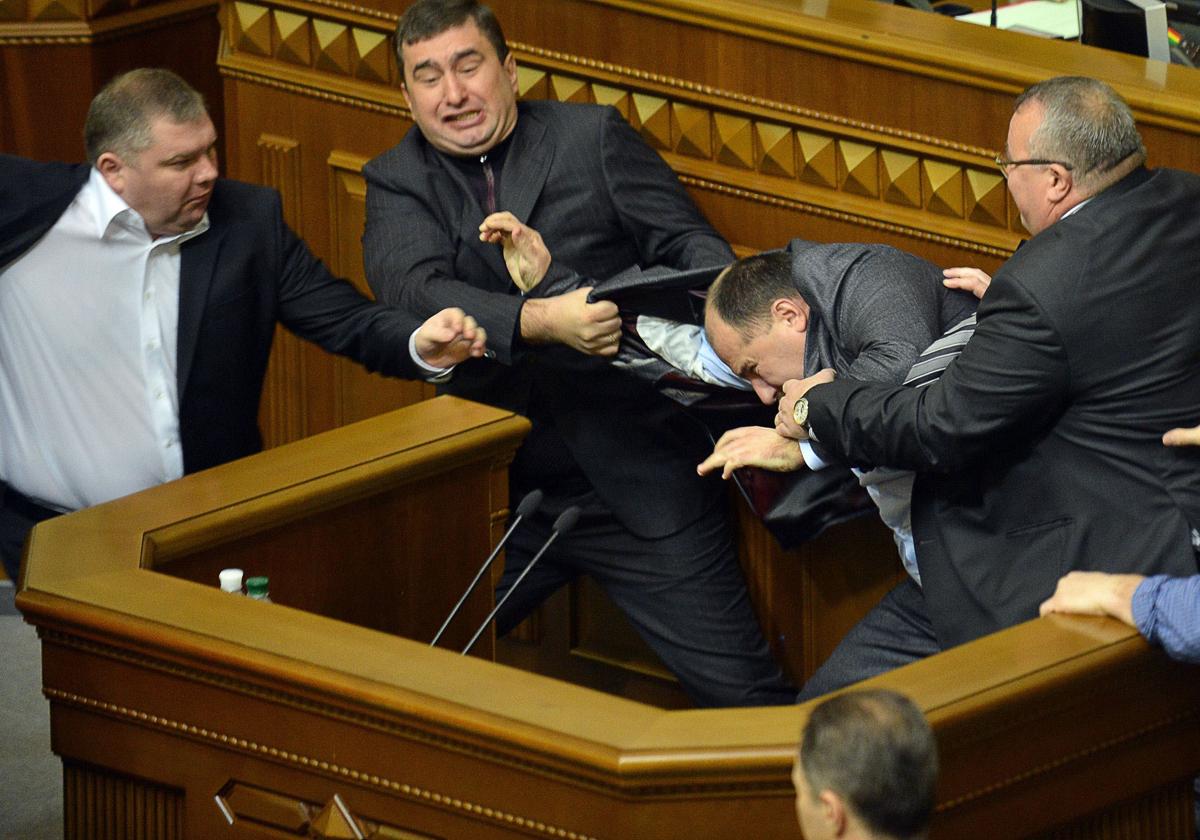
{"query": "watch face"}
(800, 411)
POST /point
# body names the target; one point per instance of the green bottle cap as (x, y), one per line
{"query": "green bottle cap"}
(256, 587)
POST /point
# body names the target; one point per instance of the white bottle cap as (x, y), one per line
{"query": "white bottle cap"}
(231, 580)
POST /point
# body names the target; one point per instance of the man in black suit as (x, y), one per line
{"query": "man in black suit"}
(1039, 448)
(138, 302)
(653, 534)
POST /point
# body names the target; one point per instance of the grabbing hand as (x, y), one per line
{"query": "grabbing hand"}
(592, 328)
(752, 446)
(1182, 437)
(449, 337)
(794, 389)
(973, 280)
(1094, 593)
(525, 253)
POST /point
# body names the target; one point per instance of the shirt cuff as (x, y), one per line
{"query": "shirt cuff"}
(1145, 618)
(811, 459)
(429, 370)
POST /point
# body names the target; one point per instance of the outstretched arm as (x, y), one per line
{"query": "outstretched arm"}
(752, 446)
(449, 337)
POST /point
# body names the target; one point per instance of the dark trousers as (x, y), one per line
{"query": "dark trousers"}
(684, 594)
(895, 632)
(18, 515)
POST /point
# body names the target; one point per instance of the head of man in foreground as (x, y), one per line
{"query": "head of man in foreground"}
(866, 769)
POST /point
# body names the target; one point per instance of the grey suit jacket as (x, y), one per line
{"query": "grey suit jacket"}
(603, 201)
(1041, 445)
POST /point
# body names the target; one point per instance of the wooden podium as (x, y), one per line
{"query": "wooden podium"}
(183, 712)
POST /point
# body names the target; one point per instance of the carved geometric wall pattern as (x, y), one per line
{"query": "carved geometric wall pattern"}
(819, 152)
(256, 806)
(41, 11)
(44, 10)
(293, 37)
(945, 188)
(735, 140)
(986, 198)
(249, 28)
(901, 178)
(569, 89)
(372, 55)
(858, 166)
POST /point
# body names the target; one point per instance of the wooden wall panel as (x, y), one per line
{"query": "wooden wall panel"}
(54, 57)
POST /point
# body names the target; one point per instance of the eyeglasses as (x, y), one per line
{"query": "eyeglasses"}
(1005, 164)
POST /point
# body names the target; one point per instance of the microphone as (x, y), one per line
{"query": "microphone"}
(531, 502)
(565, 522)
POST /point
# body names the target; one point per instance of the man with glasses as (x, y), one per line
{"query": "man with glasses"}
(1039, 451)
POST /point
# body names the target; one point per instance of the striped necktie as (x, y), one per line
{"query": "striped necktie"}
(934, 360)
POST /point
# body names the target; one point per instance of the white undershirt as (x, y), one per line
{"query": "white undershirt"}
(89, 409)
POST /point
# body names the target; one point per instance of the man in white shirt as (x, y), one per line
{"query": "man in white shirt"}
(138, 300)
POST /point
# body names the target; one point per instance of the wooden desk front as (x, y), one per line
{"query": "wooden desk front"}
(181, 712)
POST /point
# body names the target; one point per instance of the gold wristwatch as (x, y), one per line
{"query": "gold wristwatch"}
(800, 413)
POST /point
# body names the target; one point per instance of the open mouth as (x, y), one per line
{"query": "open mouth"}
(465, 117)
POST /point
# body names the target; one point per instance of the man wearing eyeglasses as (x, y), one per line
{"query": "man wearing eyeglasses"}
(1040, 449)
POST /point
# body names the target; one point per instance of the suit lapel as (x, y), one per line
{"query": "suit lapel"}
(525, 168)
(198, 264)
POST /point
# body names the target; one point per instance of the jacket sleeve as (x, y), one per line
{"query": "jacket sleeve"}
(409, 256)
(655, 211)
(1009, 384)
(1167, 612)
(331, 313)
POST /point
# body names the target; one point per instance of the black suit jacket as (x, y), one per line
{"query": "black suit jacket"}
(603, 201)
(1040, 447)
(237, 280)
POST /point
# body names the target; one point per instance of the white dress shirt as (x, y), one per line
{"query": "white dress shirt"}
(89, 405)
(89, 409)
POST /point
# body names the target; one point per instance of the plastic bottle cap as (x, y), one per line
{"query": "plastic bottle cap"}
(231, 580)
(256, 587)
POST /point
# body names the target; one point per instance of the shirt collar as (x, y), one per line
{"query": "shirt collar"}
(109, 209)
(1076, 208)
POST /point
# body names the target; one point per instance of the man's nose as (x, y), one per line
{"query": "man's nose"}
(454, 90)
(207, 168)
(769, 394)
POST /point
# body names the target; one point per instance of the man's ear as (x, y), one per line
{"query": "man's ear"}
(791, 313)
(1061, 182)
(112, 169)
(510, 68)
(833, 812)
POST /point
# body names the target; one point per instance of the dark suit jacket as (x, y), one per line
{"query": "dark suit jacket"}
(603, 201)
(247, 272)
(1040, 446)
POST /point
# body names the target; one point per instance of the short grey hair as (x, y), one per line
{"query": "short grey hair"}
(876, 751)
(1087, 125)
(120, 117)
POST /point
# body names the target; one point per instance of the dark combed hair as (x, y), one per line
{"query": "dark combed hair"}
(120, 117)
(875, 750)
(743, 295)
(426, 18)
(1086, 124)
